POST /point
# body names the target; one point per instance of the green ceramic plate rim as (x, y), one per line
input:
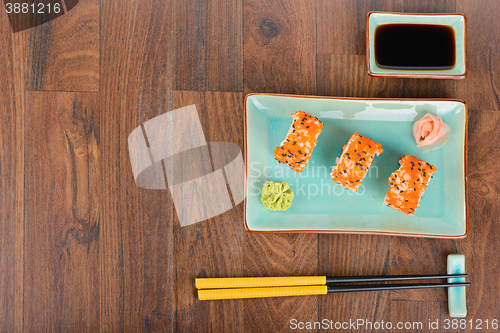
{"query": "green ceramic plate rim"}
(357, 232)
(457, 72)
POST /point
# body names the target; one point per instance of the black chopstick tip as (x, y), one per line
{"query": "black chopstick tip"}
(387, 278)
(381, 287)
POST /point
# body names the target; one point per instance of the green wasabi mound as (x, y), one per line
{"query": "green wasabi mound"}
(276, 196)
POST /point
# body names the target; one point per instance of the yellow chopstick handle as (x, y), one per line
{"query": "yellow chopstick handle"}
(252, 282)
(214, 294)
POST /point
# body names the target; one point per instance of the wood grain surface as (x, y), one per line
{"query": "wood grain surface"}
(84, 249)
(197, 254)
(11, 181)
(136, 252)
(62, 186)
(208, 45)
(279, 53)
(63, 54)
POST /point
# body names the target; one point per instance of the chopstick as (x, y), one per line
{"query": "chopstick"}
(378, 287)
(386, 278)
(253, 282)
(238, 293)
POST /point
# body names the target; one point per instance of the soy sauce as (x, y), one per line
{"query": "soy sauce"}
(415, 46)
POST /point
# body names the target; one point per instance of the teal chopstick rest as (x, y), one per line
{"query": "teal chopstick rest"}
(456, 295)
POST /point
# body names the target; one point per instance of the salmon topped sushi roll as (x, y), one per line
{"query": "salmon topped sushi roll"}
(300, 141)
(357, 156)
(407, 184)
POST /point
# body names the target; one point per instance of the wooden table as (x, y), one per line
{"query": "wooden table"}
(82, 248)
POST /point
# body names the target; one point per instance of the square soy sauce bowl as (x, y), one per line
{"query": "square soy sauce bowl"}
(416, 45)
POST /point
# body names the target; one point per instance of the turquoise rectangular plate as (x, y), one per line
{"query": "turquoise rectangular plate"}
(456, 21)
(321, 205)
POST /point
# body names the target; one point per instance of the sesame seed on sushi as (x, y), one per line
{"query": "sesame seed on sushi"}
(300, 141)
(353, 165)
(407, 184)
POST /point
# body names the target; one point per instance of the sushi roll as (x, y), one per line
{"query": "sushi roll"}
(357, 156)
(407, 184)
(300, 141)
